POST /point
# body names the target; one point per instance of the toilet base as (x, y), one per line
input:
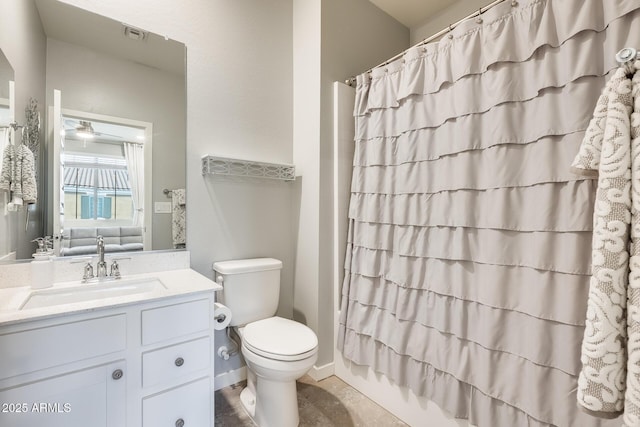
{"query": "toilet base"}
(248, 400)
(278, 403)
(277, 407)
(271, 398)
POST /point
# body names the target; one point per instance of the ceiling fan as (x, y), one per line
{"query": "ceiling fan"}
(83, 129)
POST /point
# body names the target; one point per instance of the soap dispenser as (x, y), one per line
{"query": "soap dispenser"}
(42, 265)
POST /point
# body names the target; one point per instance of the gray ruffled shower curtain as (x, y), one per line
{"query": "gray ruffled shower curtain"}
(469, 247)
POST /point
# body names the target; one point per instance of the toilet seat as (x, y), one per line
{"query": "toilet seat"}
(280, 339)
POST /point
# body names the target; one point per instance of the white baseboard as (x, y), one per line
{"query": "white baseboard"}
(229, 378)
(321, 372)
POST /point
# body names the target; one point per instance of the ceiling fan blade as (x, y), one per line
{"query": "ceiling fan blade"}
(108, 135)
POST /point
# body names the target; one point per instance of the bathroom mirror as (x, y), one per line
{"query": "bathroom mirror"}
(7, 218)
(6, 76)
(127, 87)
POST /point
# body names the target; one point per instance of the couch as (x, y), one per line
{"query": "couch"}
(82, 240)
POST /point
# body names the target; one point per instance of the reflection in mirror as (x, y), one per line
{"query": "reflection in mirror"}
(107, 77)
(7, 218)
(6, 76)
(104, 180)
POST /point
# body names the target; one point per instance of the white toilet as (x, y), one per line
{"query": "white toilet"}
(278, 351)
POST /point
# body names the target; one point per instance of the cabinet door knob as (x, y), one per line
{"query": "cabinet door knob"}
(117, 374)
(179, 422)
(179, 361)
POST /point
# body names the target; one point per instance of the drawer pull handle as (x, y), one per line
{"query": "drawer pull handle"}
(117, 374)
(179, 362)
(179, 422)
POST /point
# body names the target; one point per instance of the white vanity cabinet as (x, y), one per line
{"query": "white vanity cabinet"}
(177, 342)
(143, 364)
(68, 400)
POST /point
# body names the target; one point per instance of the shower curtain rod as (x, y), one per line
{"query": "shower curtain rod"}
(350, 81)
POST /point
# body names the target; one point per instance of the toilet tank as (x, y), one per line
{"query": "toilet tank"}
(251, 288)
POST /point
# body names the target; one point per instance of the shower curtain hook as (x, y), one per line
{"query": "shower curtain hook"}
(625, 55)
(450, 30)
(626, 59)
(479, 19)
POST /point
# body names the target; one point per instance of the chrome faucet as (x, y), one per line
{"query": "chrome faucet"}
(101, 270)
(101, 266)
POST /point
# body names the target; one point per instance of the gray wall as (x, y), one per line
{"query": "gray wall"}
(23, 42)
(6, 74)
(448, 16)
(94, 82)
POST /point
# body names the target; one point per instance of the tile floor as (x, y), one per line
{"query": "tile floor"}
(330, 402)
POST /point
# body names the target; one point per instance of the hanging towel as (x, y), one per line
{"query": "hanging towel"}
(18, 174)
(4, 143)
(27, 182)
(632, 396)
(7, 171)
(609, 382)
(178, 221)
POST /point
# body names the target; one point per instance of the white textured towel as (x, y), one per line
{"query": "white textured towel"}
(178, 220)
(18, 174)
(609, 382)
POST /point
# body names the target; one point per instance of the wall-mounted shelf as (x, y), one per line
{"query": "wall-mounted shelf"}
(212, 165)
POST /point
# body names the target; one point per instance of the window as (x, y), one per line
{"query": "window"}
(97, 188)
(92, 207)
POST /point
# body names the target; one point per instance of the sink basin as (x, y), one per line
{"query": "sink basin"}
(88, 292)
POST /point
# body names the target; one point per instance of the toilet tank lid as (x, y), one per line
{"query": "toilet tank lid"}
(237, 266)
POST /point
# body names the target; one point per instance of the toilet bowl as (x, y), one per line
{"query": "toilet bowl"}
(277, 351)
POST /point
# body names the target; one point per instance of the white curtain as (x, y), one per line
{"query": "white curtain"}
(134, 154)
(468, 256)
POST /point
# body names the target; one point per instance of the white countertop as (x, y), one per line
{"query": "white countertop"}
(176, 282)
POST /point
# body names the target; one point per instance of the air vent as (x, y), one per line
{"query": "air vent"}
(134, 33)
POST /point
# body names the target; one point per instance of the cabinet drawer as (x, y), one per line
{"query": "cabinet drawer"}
(190, 403)
(173, 362)
(173, 321)
(42, 348)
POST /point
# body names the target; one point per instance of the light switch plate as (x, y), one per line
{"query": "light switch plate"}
(162, 207)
